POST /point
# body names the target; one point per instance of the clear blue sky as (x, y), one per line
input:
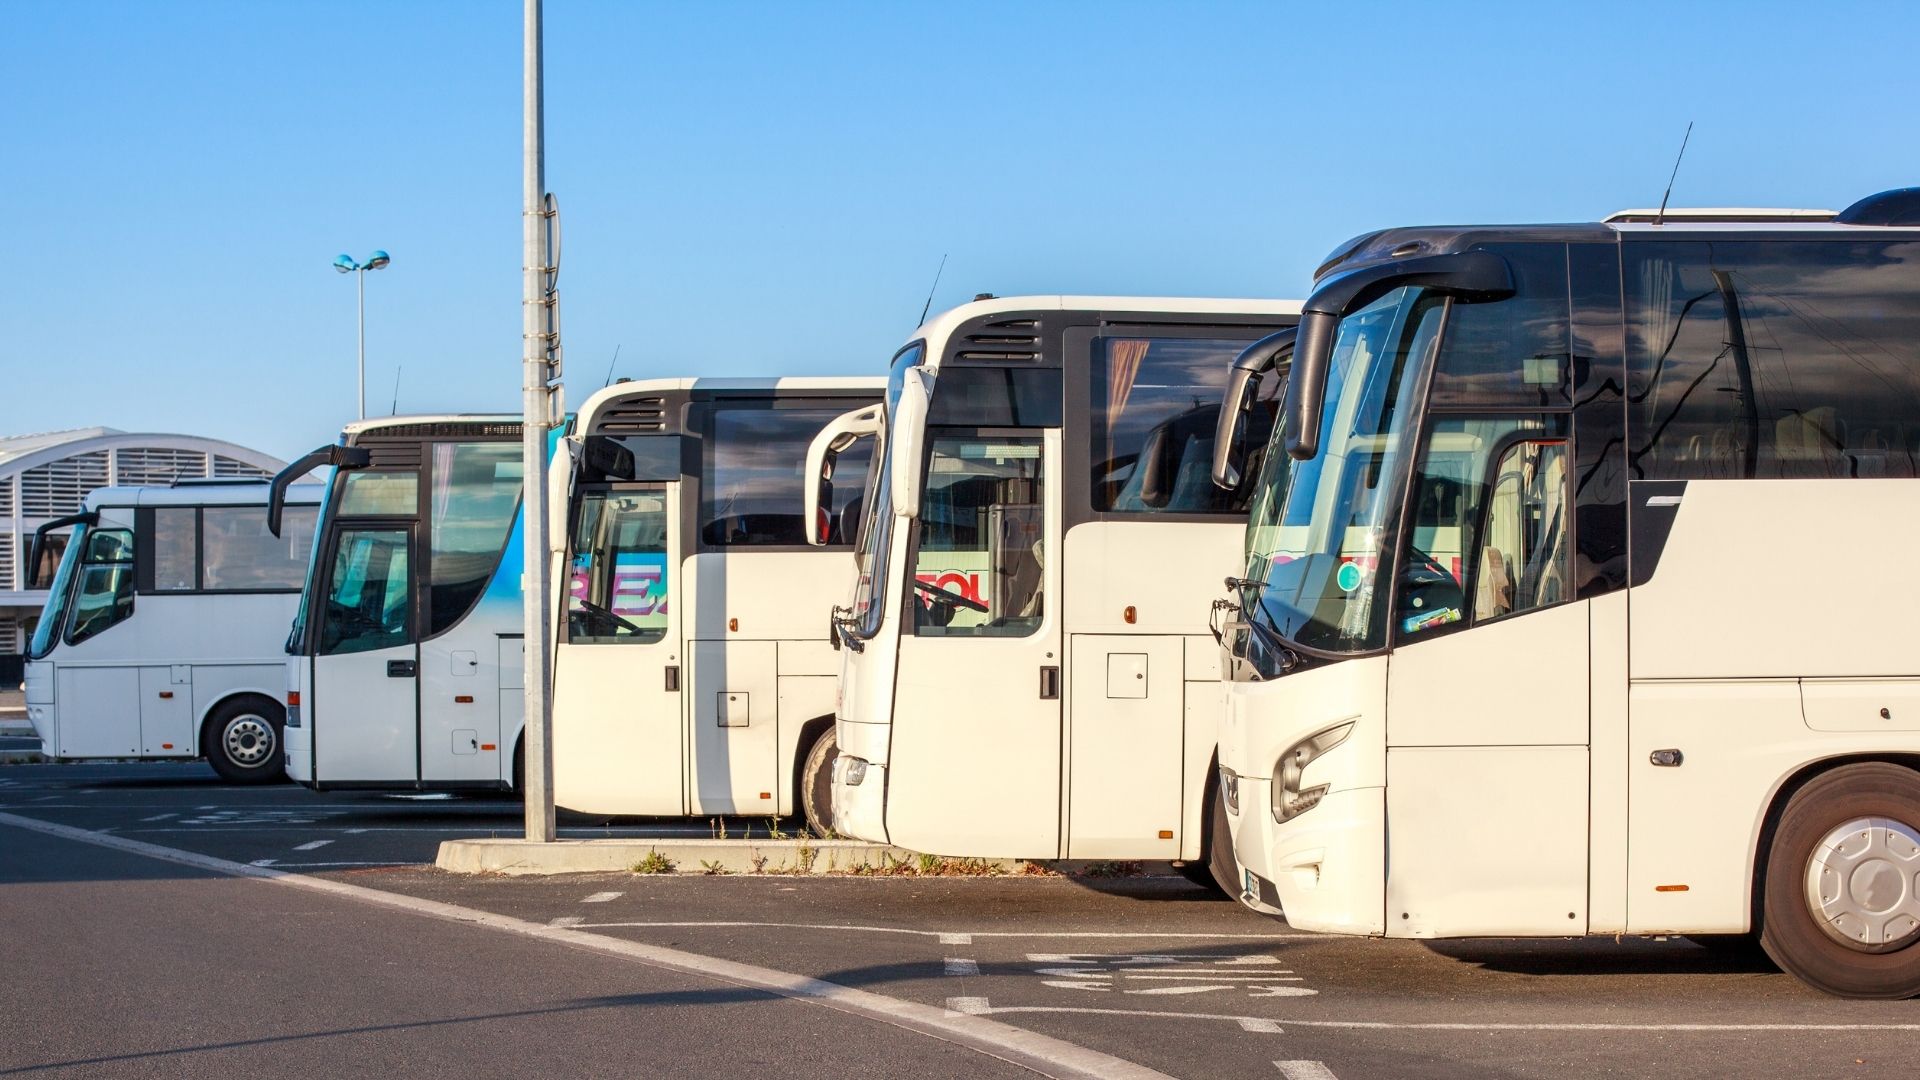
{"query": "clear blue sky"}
(762, 189)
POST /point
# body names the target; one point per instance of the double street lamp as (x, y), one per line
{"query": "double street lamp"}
(346, 265)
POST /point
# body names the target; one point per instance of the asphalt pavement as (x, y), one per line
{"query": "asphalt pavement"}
(1150, 970)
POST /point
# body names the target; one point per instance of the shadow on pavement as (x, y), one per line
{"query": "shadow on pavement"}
(1604, 956)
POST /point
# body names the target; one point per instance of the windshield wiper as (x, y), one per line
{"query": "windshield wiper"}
(840, 629)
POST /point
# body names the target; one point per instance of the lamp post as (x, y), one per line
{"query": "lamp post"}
(346, 265)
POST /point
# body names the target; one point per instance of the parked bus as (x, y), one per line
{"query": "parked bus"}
(692, 669)
(1026, 671)
(161, 634)
(1508, 662)
(407, 642)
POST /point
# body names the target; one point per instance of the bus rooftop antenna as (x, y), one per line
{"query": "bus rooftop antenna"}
(1659, 218)
(928, 306)
(395, 409)
(610, 363)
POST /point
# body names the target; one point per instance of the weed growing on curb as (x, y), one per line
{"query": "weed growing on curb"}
(654, 863)
(711, 867)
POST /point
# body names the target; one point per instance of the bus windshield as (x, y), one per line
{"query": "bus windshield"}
(1319, 529)
(876, 535)
(59, 596)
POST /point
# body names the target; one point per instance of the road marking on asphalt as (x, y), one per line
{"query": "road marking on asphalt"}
(312, 845)
(159, 817)
(601, 897)
(1103, 974)
(263, 862)
(565, 921)
(1028, 1049)
(355, 832)
(962, 966)
(1305, 1070)
(967, 1006)
(1260, 1026)
(948, 938)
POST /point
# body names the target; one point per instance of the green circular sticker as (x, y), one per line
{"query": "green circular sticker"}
(1348, 577)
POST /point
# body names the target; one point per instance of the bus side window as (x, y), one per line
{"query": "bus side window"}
(1523, 547)
(367, 605)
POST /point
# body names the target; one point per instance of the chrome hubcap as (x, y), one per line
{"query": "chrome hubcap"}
(1863, 883)
(249, 741)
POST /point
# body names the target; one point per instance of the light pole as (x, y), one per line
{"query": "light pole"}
(346, 265)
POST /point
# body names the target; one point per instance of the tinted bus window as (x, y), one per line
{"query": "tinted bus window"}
(240, 554)
(1512, 351)
(476, 493)
(1156, 402)
(750, 473)
(1775, 359)
(176, 547)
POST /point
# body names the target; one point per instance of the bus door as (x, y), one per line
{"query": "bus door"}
(975, 758)
(99, 706)
(617, 734)
(366, 656)
(1487, 727)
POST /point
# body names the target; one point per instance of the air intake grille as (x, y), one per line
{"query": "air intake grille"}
(60, 487)
(144, 465)
(397, 454)
(10, 637)
(227, 468)
(6, 498)
(1001, 339)
(633, 416)
(9, 554)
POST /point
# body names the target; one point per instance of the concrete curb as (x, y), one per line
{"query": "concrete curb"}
(21, 757)
(510, 856)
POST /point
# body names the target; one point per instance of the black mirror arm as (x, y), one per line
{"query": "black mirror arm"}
(1243, 384)
(86, 517)
(340, 457)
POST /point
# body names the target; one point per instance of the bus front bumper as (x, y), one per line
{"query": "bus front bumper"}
(860, 799)
(1325, 869)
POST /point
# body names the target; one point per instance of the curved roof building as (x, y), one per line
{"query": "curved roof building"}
(48, 475)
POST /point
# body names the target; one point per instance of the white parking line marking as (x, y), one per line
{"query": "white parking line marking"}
(1260, 1027)
(263, 862)
(1305, 1070)
(948, 938)
(1395, 1025)
(601, 897)
(159, 817)
(312, 845)
(565, 921)
(962, 966)
(967, 1006)
(355, 832)
(1028, 1049)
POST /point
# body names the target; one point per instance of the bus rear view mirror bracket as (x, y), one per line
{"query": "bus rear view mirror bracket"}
(1243, 385)
(909, 438)
(1469, 276)
(838, 436)
(334, 454)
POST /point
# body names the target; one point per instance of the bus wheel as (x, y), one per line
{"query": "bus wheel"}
(1215, 870)
(242, 741)
(1841, 912)
(816, 784)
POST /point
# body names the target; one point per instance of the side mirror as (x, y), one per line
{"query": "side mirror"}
(560, 479)
(1273, 352)
(909, 440)
(340, 457)
(39, 546)
(839, 435)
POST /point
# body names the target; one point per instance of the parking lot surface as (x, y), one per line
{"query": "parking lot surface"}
(1149, 970)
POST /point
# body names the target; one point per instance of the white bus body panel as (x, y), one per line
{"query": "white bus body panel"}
(995, 792)
(1328, 865)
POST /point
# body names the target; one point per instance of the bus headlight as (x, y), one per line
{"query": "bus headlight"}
(853, 770)
(1230, 789)
(1289, 801)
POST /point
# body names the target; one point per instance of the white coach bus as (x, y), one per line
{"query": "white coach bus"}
(1027, 671)
(162, 630)
(1509, 662)
(406, 648)
(692, 669)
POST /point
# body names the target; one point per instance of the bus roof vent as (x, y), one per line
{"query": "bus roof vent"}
(632, 416)
(1901, 206)
(1001, 339)
(392, 454)
(1732, 215)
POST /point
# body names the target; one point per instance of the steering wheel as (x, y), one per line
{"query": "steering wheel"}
(606, 613)
(942, 596)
